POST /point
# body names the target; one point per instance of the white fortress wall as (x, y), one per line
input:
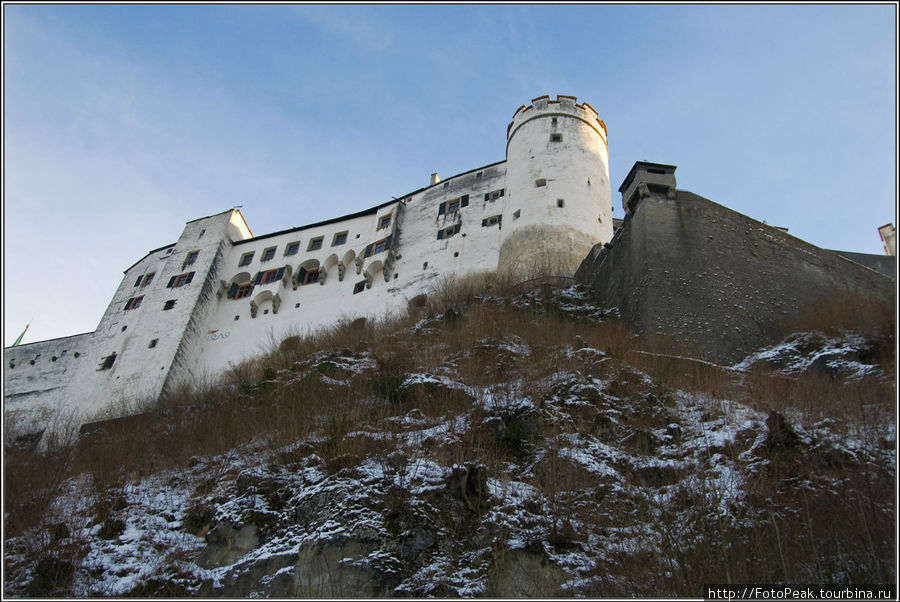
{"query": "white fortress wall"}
(36, 377)
(559, 203)
(219, 295)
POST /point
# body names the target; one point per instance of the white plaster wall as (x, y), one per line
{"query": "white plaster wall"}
(35, 380)
(576, 171)
(206, 332)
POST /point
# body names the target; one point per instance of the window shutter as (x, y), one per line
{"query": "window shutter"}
(501, 192)
(456, 229)
(368, 251)
(301, 275)
(138, 281)
(387, 242)
(440, 234)
(280, 274)
(171, 281)
(128, 304)
(484, 223)
(190, 277)
(465, 201)
(258, 278)
(232, 290)
(442, 208)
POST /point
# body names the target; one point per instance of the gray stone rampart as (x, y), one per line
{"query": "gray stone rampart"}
(719, 282)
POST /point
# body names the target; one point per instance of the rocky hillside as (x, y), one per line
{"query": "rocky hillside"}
(493, 443)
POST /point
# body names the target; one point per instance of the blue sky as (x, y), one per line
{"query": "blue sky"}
(123, 122)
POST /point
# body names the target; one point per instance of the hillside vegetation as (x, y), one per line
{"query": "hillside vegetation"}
(498, 441)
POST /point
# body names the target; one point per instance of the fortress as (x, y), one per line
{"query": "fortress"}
(220, 295)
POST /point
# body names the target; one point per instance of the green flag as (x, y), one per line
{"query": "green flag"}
(19, 340)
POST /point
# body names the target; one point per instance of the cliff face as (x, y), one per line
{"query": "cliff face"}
(719, 282)
(500, 444)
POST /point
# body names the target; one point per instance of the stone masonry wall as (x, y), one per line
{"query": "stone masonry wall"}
(719, 282)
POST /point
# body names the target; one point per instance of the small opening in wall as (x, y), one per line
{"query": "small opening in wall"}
(54, 358)
(169, 305)
(553, 121)
(517, 214)
(153, 343)
(555, 137)
(359, 287)
(425, 266)
(560, 203)
(296, 305)
(265, 311)
(124, 328)
(540, 182)
(108, 362)
(76, 354)
(396, 274)
(446, 184)
(202, 232)
(237, 317)
(456, 254)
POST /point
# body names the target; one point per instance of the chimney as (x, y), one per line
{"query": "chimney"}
(435, 178)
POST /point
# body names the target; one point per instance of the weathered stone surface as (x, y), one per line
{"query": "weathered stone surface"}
(226, 544)
(524, 574)
(719, 283)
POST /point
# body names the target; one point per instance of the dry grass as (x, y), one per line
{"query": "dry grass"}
(335, 389)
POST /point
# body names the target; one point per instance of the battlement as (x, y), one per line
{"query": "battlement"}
(543, 106)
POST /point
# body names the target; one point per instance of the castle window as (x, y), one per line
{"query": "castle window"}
(268, 254)
(292, 248)
(553, 121)
(560, 203)
(377, 247)
(491, 221)
(190, 258)
(446, 184)
(148, 279)
(134, 302)
(479, 174)
(269, 276)
(246, 259)
(152, 344)
(555, 137)
(138, 281)
(168, 305)
(453, 205)
(540, 182)
(448, 232)
(107, 362)
(180, 280)
(517, 214)
(339, 238)
(242, 291)
(384, 222)
(359, 287)
(315, 244)
(493, 195)
(202, 232)
(310, 277)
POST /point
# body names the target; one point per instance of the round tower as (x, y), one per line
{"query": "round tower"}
(558, 202)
